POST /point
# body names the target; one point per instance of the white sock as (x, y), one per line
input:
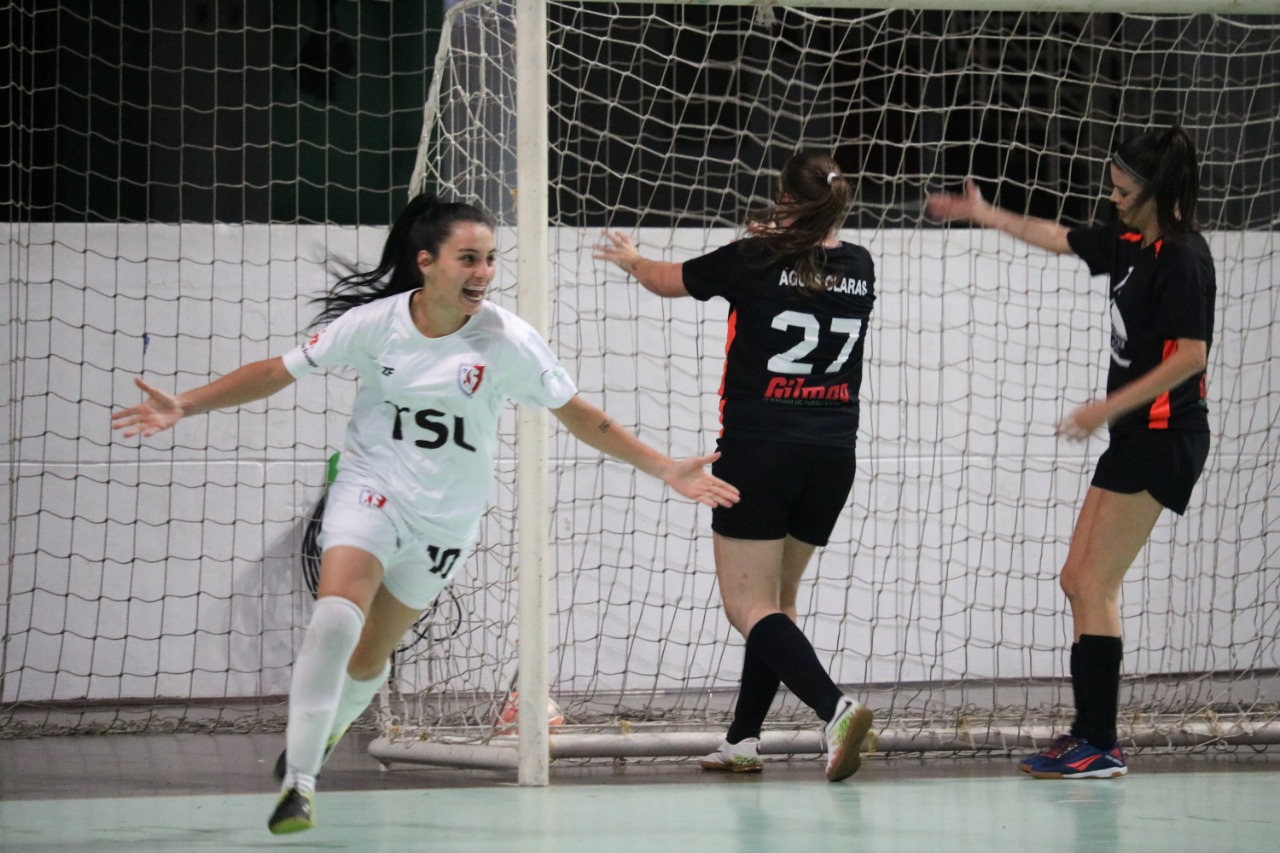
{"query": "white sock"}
(318, 674)
(356, 696)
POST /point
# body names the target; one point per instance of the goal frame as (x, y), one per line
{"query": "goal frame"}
(535, 747)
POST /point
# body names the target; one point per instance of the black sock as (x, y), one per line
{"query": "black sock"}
(755, 696)
(784, 649)
(1098, 685)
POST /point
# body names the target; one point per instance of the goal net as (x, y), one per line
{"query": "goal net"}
(175, 204)
(936, 601)
(179, 176)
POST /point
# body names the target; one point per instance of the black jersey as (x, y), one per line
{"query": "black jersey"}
(793, 358)
(1159, 293)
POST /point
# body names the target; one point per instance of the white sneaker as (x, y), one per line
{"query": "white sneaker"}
(844, 735)
(740, 757)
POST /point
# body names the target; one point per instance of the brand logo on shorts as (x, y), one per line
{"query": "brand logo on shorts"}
(469, 378)
(369, 497)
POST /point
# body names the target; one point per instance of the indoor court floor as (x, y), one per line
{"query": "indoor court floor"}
(213, 792)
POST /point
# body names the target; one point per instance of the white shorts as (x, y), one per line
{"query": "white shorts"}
(414, 569)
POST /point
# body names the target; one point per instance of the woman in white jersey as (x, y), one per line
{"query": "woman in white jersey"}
(799, 301)
(1162, 292)
(437, 364)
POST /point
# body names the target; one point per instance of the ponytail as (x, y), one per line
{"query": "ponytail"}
(1166, 168)
(423, 225)
(813, 200)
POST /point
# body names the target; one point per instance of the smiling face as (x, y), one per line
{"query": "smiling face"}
(1125, 192)
(455, 282)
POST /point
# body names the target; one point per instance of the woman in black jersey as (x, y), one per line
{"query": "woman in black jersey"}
(799, 304)
(1162, 301)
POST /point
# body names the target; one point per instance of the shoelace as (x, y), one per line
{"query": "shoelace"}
(1062, 745)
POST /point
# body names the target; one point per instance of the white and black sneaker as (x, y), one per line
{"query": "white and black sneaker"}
(844, 736)
(740, 757)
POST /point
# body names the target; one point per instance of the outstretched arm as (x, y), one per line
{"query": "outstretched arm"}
(689, 477)
(162, 410)
(660, 277)
(972, 207)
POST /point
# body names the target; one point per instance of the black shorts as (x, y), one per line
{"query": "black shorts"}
(1165, 462)
(786, 489)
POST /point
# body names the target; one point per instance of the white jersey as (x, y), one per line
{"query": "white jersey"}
(424, 427)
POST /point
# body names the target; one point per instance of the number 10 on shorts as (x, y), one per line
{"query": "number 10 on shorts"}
(442, 561)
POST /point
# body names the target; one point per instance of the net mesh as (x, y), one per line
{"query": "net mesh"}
(937, 599)
(162, 586)
(179, 174)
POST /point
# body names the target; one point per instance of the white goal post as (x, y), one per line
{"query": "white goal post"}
(668, 120)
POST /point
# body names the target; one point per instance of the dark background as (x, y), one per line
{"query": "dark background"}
(912, 112)
(215, 110)
(311, 111)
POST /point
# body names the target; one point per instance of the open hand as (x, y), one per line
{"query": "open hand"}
(946, 207)
(691, 478)
(1083, 422)
(157, 413)
(618, 250)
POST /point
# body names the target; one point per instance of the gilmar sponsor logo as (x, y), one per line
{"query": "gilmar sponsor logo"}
(795, 389)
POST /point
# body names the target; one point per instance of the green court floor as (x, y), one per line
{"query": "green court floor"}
(1163, 812)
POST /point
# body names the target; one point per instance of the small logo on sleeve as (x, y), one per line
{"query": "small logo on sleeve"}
(556, 380)
(370, 498)
(469, 378)
(309, 345)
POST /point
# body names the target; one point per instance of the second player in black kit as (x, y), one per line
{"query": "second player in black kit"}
(800, 301)
(1160, 293)
(794, 355)
(1161, 297)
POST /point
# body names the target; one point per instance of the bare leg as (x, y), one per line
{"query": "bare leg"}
(1110, 532)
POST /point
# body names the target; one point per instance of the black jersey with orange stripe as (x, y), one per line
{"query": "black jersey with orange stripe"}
(793, 358)
(1158, 294)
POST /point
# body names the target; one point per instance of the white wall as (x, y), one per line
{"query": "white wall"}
(168, 567)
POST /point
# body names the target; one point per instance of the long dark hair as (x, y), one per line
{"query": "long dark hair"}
(813, 200)
(425, 223)
(1165, 165)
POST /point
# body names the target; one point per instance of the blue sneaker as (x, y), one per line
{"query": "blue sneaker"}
(1056, 747)
(1081, 760)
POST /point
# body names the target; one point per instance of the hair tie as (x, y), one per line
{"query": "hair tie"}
(1129, 170)
(831, 177)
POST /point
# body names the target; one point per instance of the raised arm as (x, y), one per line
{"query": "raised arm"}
(972, 207)
(162, 410)
(659, 277)
(689, 477)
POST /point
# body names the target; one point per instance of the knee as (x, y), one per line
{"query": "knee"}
(335, 626)
(1083, 587)
(1074, 583)
(1069, 582)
